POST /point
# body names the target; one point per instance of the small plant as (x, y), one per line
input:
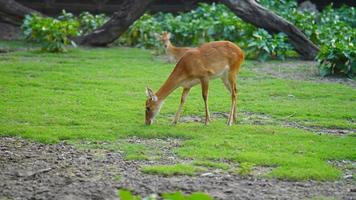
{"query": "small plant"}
(181, 196)
(127, 195)
(245, 168)
(52, 34)
(216, 165)
(171, 170)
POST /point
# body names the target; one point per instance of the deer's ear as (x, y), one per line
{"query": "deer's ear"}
(150, 94)
(169, 35)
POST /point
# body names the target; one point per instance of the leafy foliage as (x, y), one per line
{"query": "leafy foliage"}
(206, 23)
(338, 56)
(51, 34)
(266, 46)
(89, 22)
(54, 34)
(332, 29)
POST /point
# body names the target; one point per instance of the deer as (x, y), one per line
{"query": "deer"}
(174, 53)
(199, 65)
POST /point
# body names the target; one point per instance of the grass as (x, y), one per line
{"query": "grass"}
(127, 195)
(245, 168)
(171, 170)
(11, 45)
(99, 95)
(130, 150)
(211, 164)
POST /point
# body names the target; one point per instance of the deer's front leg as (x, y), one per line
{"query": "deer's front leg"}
(205, 89)
(180, 108)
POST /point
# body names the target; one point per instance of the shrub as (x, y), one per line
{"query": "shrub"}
(332, 29)
(266, 46)
(52, 34)
(89, 22)
(142, 33)
(204, 24)
(336, 37)
(338, 56)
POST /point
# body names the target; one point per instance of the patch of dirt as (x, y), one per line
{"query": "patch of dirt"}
(293, 69)
(348, 168)
(30, 170)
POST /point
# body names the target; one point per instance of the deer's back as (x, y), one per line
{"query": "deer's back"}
(211, 59)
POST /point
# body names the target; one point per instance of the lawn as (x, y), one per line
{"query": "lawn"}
(99, 94)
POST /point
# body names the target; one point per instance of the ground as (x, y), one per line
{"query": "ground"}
(72, 128)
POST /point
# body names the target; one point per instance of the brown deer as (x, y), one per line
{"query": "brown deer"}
(198, 65)
(174, 53)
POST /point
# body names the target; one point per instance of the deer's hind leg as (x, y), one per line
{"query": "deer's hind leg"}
(228, 86)
(231, 79)
(205, 88)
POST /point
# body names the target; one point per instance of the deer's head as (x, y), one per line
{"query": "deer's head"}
(152, 106)
(165, 36)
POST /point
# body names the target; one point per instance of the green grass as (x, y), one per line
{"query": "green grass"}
(131, 151)
(171, 170)
(181, 196)
(127, 195)
(245, 168)
(211, 164)
(12, 45)
(99, 94)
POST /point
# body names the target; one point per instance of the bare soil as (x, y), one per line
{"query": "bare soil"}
(30, 170)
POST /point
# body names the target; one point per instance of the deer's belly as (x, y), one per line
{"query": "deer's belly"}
(190, 83)
(220, 72)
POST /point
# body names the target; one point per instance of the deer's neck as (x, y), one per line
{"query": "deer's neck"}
(168, 45)
(170, 85)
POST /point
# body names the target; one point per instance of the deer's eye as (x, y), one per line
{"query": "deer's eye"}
(147, 109)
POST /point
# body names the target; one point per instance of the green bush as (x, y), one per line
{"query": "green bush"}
(89, 22)
(204, 24)
(142, 33)
(338, 56)
(266, 46)
(52, 34)
(332, 29)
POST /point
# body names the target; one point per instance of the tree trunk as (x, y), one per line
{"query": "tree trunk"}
(12, 12)
(252, 12)
(119, 22)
